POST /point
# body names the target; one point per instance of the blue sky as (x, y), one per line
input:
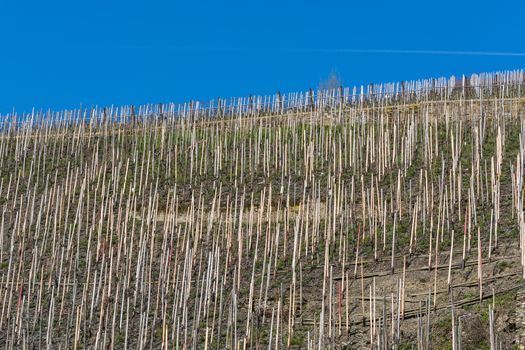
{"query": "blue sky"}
(60, 54)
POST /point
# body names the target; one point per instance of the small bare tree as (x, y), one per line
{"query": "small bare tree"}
(333, 82)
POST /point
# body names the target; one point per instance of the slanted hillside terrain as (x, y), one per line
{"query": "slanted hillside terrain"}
(389, 217)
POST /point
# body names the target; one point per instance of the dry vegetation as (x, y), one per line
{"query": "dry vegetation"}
(386, 218)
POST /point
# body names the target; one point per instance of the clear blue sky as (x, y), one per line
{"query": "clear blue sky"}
(59, 54)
